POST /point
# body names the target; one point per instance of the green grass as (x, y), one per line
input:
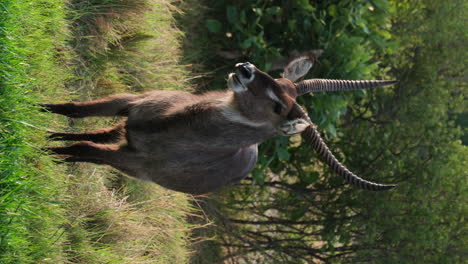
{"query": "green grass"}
(57, 213)
(31, 214)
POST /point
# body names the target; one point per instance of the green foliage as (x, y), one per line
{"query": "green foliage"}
(293, 209)
(30, 217)
(264, 30)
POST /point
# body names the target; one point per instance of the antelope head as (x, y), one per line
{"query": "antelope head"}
(266, 100)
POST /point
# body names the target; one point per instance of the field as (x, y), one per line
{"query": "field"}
(291, 209)
(59, 213)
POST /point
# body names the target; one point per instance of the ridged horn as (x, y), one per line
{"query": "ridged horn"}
(312, 136)
(326, 85)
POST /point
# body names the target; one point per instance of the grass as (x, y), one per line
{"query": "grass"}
(30, 219)
(57, 213)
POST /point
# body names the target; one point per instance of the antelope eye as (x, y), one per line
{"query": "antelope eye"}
(278, 108)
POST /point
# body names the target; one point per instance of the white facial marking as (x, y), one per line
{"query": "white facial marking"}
(251, 68)
(234, 116)
(236, 86)
(273, 97)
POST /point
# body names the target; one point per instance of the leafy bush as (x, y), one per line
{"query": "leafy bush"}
(299, 210)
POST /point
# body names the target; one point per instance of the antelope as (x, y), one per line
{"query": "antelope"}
(198, 143)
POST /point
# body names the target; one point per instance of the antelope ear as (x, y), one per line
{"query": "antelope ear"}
(297, 68)
(294, 126)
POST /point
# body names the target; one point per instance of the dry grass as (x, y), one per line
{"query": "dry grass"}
(133, 45)
(130, 46)
(131, 221)
(97, 25)
(82, 213)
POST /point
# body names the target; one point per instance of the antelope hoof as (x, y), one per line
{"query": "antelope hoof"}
(295, 126)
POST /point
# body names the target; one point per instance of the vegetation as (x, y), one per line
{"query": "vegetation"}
(30, 218)
(293, 209)
(56, 213)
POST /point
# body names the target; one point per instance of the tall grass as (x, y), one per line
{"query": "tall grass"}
(122, 45)
(56, 213)
(30, 205)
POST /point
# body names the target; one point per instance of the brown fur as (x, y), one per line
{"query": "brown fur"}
(199, 143)
(185, 142)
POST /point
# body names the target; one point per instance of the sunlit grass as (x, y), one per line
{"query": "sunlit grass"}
(56, 213)
(30, 205)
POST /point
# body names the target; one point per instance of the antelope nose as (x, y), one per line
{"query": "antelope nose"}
(245, 69)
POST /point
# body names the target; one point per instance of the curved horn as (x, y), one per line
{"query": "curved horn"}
(326, 85)
(312, 136)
